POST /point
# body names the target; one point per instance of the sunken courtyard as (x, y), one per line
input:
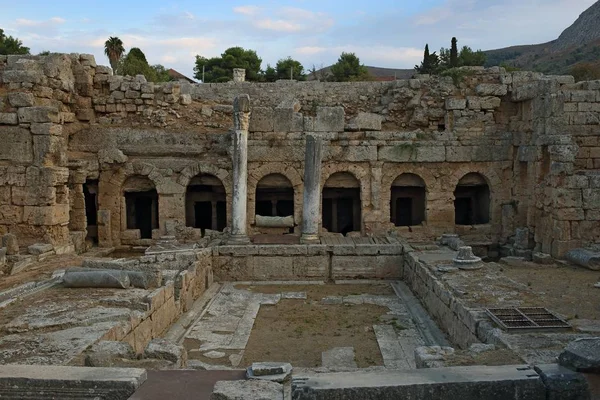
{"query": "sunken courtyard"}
(421, 239)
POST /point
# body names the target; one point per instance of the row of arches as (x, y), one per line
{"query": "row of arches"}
(206, 201)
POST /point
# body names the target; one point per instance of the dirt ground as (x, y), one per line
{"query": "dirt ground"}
(298, 331)
(489, 358)
(565, 289)
(41, 270)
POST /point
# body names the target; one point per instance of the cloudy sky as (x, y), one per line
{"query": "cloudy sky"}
(385, 33)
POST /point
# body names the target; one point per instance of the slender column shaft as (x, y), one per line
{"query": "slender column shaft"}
(241, 118)
(312, 189)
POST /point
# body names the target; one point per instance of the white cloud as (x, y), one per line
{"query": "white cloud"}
(247, 10)
(278, 25)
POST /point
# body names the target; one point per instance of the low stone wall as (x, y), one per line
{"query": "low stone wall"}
(307, 262)
(452, 316)
(187, 276)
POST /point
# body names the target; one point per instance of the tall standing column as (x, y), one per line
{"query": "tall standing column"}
(241, 120)
(312, 189)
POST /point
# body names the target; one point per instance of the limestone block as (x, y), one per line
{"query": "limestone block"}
(329, 119)
(562, 383)
(270, 371)
(582, 354)
(367, 121)
(10, 215)
(49, 150)
(292, 103)
(262, 119)
(18, 99)
(591, 199)
(431, 154)
(46, 129)
(46, 215)
(455, 103)
(459, 153)
(57, 382)
(431, 356)
(33, 195)
(131, 235)
(185, 99)
(9, 119)
(491, 89)
(399, 153)
(274, 222)
(163, 349)
(96, 279)
(247, 390)
(108, 353)
(9, 241)
(40, 248)
(286, 120)
(38, 114)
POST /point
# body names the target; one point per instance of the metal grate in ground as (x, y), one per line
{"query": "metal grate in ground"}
(525, 319)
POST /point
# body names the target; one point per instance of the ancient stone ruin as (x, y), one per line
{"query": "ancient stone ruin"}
(421, 184)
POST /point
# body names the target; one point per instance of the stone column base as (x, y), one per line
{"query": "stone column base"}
(310, 239)
(238, 239)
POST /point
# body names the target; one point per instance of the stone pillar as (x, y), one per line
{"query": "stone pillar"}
(239, 75)
(104, 229)
(241, 119)
(312, 189)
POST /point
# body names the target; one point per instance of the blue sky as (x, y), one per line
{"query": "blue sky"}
(382, 33)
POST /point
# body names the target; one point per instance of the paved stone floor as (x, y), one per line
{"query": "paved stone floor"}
(218, 338)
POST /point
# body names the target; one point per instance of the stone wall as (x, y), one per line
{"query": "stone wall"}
(533, 138)
(307, 262)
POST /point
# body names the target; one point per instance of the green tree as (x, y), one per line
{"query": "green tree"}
(454, 53)
(348, 68)
(471, 58)
(135, 63)
(113, 48)
(430, 63)
(270, 74)
(220, 69)
(11, 45)
(288, 67)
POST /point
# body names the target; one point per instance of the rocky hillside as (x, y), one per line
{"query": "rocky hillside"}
(578, 43)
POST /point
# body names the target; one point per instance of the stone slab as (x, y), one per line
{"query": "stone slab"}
(562, 383)
(247, 390)
(466, 383)
(49, 382)
(582, 354)
(339, 357)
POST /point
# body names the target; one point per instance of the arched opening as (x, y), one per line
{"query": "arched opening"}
(407, 202)
(206, 203)
(141, 205)
(341, 203)
(90, 197)
(274, 196)
(472, 200)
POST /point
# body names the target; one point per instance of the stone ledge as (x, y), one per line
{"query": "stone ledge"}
(466, 383)
(46, 382)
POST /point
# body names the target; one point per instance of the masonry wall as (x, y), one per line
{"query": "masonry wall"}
(66, 120)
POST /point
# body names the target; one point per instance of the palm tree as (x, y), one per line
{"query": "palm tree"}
(113, 48)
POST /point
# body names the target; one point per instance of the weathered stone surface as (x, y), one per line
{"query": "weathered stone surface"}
(50, 382)
(275, 222)
(96, 279)
(432, 356)
(367, 122)
(19, 99)
(40, 248)
(9, 119)
(275, 372)
(466, 259)
(9, 241)
(491, 383)
(38, 114)
(329, 119)
(338, 357)
(165, 350)
(491, 89)
(108, 354)
(584, 258)
(562, 383)
(247, 390)
(582, 354)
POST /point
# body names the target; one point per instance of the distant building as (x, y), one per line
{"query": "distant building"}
(178, 76)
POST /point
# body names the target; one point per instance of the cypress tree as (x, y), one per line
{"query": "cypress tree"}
(454, 53)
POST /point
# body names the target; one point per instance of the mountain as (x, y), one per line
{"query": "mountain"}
(579, 43)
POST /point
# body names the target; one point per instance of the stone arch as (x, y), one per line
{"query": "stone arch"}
(472, 200)
(392, 171)
(206, 203)
(408, 199)
(341, 206)
(257, 173)
(140, 200)
(199, 168)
